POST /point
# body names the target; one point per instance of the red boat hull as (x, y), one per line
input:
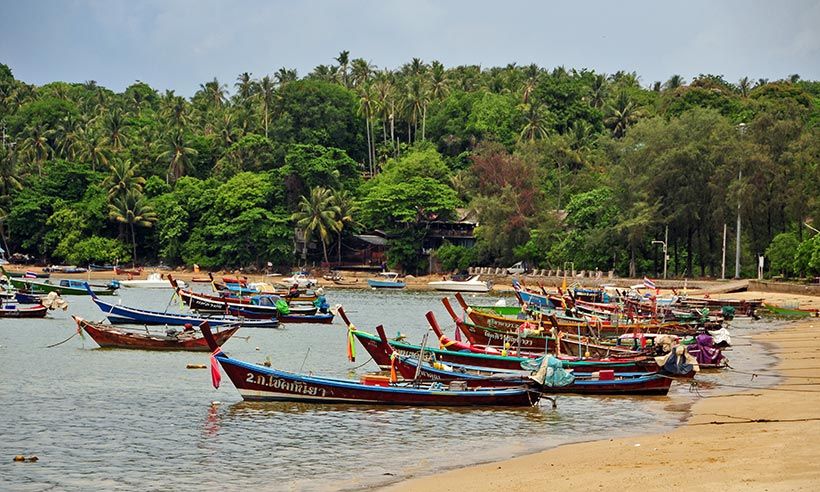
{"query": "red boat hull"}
(109, 337)
(24, 312)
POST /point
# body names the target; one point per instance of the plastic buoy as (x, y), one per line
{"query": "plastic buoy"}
(19, 457)
(257, 349)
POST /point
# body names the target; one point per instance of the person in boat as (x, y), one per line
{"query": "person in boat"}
(321, 301)
(293, 291)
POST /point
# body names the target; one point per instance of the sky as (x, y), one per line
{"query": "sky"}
(180, 44)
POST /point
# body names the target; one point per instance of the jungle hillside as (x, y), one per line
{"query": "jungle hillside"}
(556, 164)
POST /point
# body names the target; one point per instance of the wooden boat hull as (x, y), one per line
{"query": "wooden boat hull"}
(293, 318)
(110, 337)
(36, 287)
(385, 284)
(791, 312)
(125, 315)
(13, 274)
(584, 384)
(23, 312)
(604, 329)
(258, 383)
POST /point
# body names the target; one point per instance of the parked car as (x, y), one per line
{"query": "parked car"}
(518, 268)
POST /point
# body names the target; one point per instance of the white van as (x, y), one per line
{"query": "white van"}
(517, 268)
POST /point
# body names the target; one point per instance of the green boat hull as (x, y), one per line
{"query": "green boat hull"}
(44, 288)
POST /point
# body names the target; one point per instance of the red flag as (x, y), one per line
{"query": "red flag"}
(216, 377)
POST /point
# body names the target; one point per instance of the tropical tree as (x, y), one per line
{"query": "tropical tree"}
(535, 122)
(744, 85)
(123, 179)
(37, 146)
(132, 210)
(266, 94)
(114, 129)
(342, 73)
(622, 114)
(317, 214)
(215, 93)
(346, 218)
(178, 155)
(674, 82)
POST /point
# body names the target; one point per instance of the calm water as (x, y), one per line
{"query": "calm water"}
(122, 420)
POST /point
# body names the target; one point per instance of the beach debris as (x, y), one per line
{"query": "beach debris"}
(23, 459)
(195, 366)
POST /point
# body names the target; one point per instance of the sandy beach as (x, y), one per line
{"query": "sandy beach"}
(759, 439)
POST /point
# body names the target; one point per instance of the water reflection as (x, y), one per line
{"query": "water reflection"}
(118, 419)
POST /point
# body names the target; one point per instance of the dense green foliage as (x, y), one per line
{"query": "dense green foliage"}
(560, 167)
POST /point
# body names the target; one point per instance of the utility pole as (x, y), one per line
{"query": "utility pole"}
(723, 263)
(665, 250)
(737, 246)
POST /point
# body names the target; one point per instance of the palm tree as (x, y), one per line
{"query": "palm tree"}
(8, 173)
(123, 179)
(175, 112)
(622, 114)
(94, 151)
(674, 82)
(344, 64)
(346, 216)
(69, 138)
(36, 145)
(360, 71)
(744, 85)
(245, 87)
(224, 127)
(178, 154)
(366, 103)
(383, 89)
(535, 122)
(317, 214)
(284, 76)
(439, 84)
(132, 210)
(267, 91)
(214, 92)
(599, 90)
(114, 127)
(415, 100)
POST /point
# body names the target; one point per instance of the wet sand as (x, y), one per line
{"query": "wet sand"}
(746, 439)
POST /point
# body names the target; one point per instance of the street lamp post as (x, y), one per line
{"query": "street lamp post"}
(665, 256)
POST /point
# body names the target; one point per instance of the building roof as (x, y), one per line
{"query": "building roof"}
(372, 239)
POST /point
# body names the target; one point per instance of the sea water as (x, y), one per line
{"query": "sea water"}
(103, 419)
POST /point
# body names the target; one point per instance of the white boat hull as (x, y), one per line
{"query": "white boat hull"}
(451, 286)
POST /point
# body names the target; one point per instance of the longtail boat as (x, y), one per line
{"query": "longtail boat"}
(127, 315)
(456, 352)
(259, 383)
(130, 273)
(107, 336)
(606, 382)
(791, 312)
(258, 304)
(10, 310)
(597, 328)
(292, 318)
(26, 274)
(66, 287)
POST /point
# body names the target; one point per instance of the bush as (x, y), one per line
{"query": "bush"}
(98, 250)
(781, 253)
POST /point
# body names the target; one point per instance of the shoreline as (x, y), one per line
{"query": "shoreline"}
(725, 440)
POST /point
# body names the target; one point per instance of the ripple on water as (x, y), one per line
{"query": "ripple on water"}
(121, 420)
